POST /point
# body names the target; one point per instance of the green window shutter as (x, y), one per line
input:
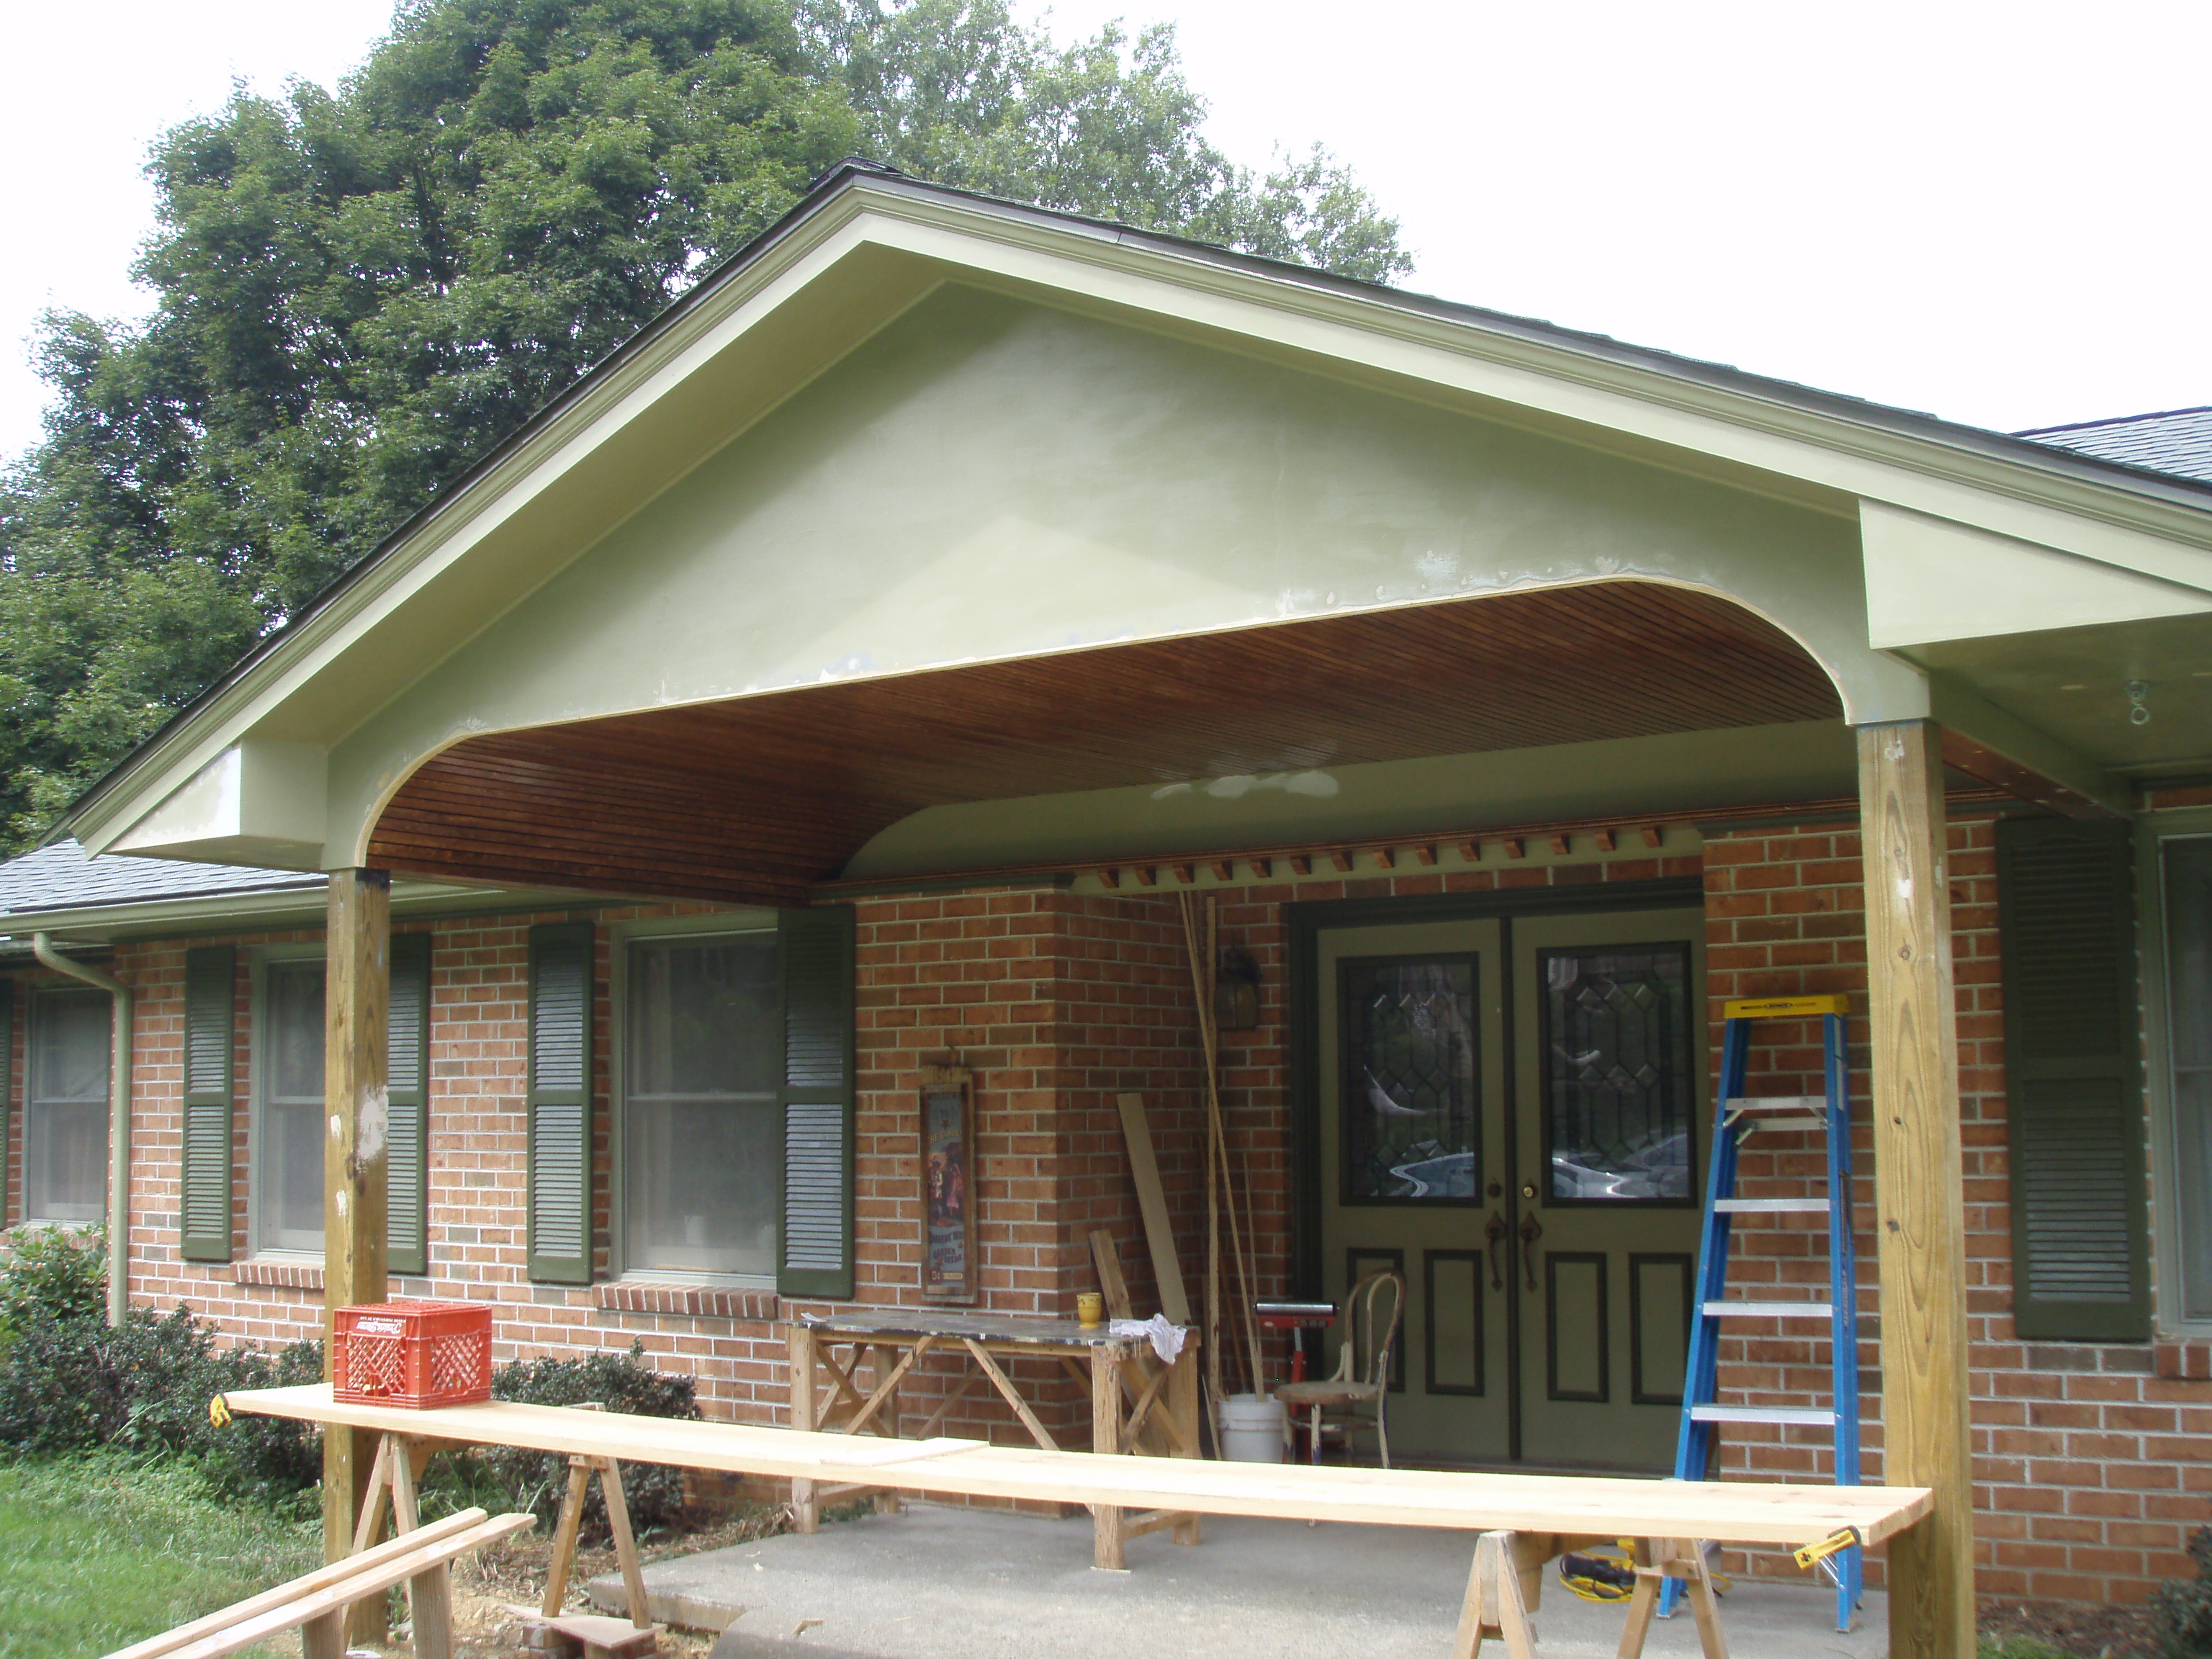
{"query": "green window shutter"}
(408, 1093)
(210, 1027)
(2074, 1093)
(559, 1248)
(817, 947)
(7, 1083)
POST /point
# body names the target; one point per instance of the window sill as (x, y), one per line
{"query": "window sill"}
(687, 1301)
(283, 1275)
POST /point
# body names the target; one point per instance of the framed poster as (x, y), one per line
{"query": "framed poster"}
(949, 1265)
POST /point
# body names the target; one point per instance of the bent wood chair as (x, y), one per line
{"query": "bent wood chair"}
(1372, 1311)
(315, 1603)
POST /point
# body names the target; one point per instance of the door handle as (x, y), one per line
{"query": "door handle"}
(1495, 1229)
(1531, 1231)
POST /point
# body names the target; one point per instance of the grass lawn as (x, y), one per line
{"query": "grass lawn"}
(96, 1552)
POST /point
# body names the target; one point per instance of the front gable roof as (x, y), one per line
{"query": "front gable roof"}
(867, 244)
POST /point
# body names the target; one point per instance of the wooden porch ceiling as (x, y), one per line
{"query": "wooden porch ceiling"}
(758, 798)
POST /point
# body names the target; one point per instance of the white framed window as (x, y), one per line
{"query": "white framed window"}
(699, 1056)
(286, 1208)
(2183, 1072)
(65, 1106)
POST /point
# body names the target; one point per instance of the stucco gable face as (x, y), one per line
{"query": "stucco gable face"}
(989, 478)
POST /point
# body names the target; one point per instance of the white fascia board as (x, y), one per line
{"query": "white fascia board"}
(2132, 528)
(303, 905)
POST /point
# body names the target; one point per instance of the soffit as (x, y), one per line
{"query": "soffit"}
(759, 799)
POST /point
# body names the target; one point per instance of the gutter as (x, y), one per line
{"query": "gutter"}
(119, 1133)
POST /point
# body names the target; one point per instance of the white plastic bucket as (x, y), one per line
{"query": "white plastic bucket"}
(1252, 1428)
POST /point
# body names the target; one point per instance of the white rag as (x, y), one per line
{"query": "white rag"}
(1165, 1336)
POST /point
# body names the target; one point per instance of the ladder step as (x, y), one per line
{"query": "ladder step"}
(1742, 1309)
(1807, 1416)
(1776, 1103)
(1817, 1126)
(1771, 1205)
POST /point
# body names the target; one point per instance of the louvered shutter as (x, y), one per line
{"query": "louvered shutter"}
(408, 1093)
(2074, 1094)
(211, 1025)
(816, 948)
(560, 1102)
(7, 1083)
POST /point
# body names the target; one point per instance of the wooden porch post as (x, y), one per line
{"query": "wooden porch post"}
(356, 993)
(1920, 1213)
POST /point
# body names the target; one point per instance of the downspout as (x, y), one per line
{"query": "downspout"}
(118, 1132)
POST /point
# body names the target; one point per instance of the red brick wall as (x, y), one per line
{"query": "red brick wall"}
(2090, 1466)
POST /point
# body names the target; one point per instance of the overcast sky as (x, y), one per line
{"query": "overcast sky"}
(1993, 212)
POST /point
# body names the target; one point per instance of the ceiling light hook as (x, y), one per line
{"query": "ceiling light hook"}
(2138, 696)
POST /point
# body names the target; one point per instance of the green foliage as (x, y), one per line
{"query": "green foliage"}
(958, 92)
(2183, 1607)
(106, 1550)
(69, 1383)
(510, 1478)
(358, 294)
(504, 1479)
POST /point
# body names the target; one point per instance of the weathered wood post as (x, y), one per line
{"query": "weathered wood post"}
(356, 993)
(1920, 1210)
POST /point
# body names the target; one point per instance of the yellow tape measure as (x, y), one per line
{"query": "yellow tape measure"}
(219, 1412)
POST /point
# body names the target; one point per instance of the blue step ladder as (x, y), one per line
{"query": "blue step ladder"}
(1736, 1118)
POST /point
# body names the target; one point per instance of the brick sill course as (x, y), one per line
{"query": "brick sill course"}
(284, 1275)
(687, 1301)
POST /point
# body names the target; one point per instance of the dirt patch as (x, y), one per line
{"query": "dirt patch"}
(491, 1584)
(2082, 1629)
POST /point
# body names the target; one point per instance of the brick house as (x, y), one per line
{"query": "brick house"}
(854, 673)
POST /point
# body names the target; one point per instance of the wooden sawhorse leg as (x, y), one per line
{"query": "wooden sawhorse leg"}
(400, 1461)
(580, 1470)
(805, 1504)
(1658, 1559)
(1497, 1602)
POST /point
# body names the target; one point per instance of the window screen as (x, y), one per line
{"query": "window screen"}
(288, 1177)
(65, 1108)
(702, 1059)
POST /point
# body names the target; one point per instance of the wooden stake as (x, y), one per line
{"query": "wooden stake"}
(358, 990)
(1913, 1022)
(1247, 1328)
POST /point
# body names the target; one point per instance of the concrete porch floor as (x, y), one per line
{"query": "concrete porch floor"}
(950, 1583)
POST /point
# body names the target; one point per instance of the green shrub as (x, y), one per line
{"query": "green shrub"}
(68, 1382)
(506, 1478)
(2183, 1607)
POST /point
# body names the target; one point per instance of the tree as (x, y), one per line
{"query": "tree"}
(358, 294)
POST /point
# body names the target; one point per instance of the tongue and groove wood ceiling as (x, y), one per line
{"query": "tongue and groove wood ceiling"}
(757, 798)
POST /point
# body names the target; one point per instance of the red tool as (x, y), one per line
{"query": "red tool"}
(1294, 1317)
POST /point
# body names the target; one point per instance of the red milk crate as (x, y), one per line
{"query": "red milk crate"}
(414, 1354)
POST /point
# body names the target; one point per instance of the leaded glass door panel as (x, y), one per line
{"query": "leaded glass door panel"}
(1610, 1038)
(1411, 1088)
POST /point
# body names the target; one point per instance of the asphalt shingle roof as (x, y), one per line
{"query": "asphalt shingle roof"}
(60, 878)
(2176, 440)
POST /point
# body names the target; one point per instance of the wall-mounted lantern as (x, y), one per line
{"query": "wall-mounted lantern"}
(1236, 990)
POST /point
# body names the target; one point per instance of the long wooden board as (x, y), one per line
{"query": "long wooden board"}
(1153, 1205)
(1734, 1512)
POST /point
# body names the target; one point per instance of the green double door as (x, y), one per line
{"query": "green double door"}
(1510, 1115)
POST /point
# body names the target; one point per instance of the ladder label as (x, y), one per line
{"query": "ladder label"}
(1784, 1007)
